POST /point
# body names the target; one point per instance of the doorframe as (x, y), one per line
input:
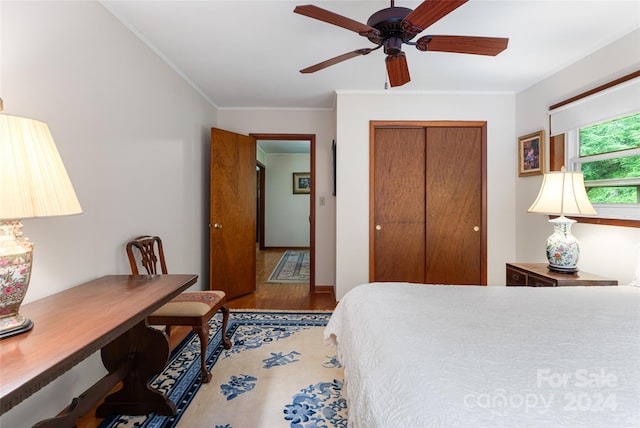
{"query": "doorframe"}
(426, 124)
(261, 189)
(312, 194)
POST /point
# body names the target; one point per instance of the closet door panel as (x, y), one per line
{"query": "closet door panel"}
(399, 200)
(454, 205)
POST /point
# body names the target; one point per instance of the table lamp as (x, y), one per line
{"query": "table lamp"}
(562, 193)
(33, 183)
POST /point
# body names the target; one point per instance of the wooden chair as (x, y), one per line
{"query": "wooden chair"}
(193, 309)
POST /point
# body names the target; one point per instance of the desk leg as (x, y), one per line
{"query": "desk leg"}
(150, 350)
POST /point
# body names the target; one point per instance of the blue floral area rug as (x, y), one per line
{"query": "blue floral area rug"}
(293, 267)
(279, 373)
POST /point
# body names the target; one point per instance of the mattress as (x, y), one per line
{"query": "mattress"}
(420, 355)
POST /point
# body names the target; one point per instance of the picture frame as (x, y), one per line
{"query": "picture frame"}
(301, 183)
(531, 154)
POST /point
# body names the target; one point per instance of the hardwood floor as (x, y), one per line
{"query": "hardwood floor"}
(267, 296)
(280, 296)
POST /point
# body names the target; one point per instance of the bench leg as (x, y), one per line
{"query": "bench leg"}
(149, 349)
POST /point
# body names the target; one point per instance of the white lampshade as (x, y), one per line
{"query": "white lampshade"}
(33, 179)
(33, 183)
(562, 193)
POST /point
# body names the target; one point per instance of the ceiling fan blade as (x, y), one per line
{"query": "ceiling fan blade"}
(427, 13)
(332, 61)
(491, 46)
(333, 18)
(397, 69)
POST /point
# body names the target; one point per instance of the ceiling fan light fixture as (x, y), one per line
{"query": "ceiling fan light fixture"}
(393, 46)
(397, 69)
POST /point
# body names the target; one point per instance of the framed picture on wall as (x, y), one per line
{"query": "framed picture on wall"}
(531, 154)
(301, 183)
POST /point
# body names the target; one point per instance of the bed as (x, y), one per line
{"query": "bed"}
(420, 355)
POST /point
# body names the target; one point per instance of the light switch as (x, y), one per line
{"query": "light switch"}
(322, 201)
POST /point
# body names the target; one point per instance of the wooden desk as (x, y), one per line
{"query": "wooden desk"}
(107, 313)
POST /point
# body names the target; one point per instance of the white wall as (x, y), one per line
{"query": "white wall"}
(124, 121)
(135, 140)
(286, 213)
(605, 250)
(355, 110)
(322, 124)
(261, 156)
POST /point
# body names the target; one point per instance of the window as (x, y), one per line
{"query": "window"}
(602, 135)
(608, 154)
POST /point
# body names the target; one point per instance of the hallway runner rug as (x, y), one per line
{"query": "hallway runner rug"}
(293, 267)
(279, 373)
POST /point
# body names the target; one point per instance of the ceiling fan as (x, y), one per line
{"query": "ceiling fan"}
(394, 26)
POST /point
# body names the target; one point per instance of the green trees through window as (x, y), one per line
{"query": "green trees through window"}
(610, 160)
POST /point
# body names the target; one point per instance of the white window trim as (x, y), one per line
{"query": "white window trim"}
(613, 211)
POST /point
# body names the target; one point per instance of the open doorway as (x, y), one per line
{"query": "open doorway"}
(286, 143)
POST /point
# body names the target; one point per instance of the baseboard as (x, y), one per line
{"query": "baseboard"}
(326, 289)
(321, 289)
(286, 248)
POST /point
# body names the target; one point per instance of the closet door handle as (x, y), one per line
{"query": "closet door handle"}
(378, 227)
(476, 228)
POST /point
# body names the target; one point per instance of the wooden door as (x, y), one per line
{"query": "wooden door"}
(454, 206)
(399, 218)
(428, 211)
(232, 231)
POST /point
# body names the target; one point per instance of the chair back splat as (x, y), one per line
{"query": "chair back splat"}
(147, 246)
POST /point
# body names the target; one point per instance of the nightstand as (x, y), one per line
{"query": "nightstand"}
(538, 275)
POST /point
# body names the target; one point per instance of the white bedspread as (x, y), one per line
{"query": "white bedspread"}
(462, 356)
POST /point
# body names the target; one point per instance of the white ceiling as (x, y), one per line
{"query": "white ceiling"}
(248, 53)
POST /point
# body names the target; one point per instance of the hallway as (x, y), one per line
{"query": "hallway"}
(280, 296)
